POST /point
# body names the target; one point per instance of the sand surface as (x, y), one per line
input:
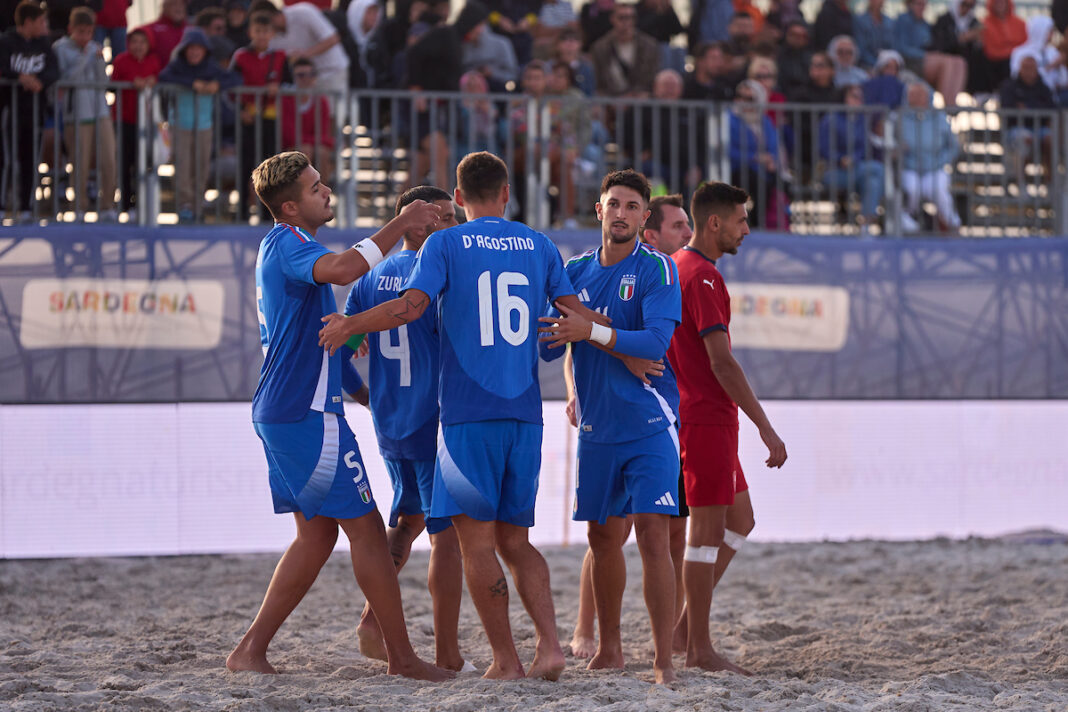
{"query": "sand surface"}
(964, 625)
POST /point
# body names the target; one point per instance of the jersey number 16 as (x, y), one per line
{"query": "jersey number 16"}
(506, 305)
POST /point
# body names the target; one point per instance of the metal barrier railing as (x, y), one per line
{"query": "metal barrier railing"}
(810, 168)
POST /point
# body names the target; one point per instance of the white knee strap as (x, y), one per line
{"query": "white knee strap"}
(734, 540)
(701, 554)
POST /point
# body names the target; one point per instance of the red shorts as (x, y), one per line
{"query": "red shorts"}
(710, 466)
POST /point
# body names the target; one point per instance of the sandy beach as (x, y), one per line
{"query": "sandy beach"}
(975, 625)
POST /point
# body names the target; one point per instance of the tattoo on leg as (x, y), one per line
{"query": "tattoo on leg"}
(500, 589)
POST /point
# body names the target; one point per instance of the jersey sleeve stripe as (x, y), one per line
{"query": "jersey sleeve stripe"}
(297, 233)
(714, 327)
(666, 274)
(580, 258)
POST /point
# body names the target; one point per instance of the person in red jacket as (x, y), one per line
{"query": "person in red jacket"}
(168, 28)
(1003, 31)
(111, 25)
(140, 66)
(306, 122)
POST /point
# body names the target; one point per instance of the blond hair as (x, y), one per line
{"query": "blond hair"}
(756, 64)
(276, 180)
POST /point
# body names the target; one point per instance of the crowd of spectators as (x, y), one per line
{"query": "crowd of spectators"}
(730, 52)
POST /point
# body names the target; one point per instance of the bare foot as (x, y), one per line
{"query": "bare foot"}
(241, 660)
(371, 643)
(665, 676)
(713, 662)
(495, 672)
(605, 660)
(454, 662)
(547, 665)
(582, 647)
(418, 669)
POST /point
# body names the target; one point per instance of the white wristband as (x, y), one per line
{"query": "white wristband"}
(368, 249)
(601, 334)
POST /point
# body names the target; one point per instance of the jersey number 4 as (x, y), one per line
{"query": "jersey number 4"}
(400, 353)
(506, 304)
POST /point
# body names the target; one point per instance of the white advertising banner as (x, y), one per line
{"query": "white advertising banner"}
(121, 313)
(789, 317)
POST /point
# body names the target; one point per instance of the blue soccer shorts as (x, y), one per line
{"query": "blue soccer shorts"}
(635, 477)
(315, 467)
(488, 470)
(413, 484)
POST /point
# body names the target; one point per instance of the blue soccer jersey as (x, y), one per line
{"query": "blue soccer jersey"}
(639, 293)
(403, 370)
(297, 375)
(493, 278)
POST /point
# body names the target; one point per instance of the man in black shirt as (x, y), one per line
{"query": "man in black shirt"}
(708, 80)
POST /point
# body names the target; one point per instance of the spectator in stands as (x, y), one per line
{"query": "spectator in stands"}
(167, 29)
(303, 31)
(433, 64)
(25, 57)
(957, 32)
(873, 32)
(1059, 11)
(111, 25)
(780, 14)
(259, 66)
(708, 21)
(850, 162)
(237, 23)
(1030, 136)
(747, 7)
(885, 88)
(306, 123)
(928, 148)
(708, 80)
(197, 81)
(141, 67)
(1003, 31)
(1051, 62)
(625, 61)
(671, 145)
(795, 56)
(362, 29)
(515, 20)
(753, 150)
(569, 49)
(657, 19)
(554, 17)
(480, 126)
(323, 5)
(212, 20)
(843, 54)
(819, 87)
(833, 20)
(595, 19)
(740, 44)
(492, 55)
(397, 26)
(765, 71)
(912, 37)
(89, 131)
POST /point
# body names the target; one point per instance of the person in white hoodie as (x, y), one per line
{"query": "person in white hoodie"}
(1051, 62)
(89, 132)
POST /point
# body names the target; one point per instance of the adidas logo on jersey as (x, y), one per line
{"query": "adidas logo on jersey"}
(584, 296)
(666, 501)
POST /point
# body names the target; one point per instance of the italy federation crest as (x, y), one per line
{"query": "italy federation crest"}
(626, 287)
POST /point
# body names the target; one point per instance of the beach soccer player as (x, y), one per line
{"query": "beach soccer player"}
(314, 464)
(666, 229)
(712, 386)
(492, 278)
(403, 372)
(628, 451)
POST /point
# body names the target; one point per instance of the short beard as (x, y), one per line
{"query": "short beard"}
(620, 240)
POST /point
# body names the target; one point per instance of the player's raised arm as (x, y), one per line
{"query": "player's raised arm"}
(350, 265)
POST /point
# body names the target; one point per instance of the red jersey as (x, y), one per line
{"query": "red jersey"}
(258, 70)
(706, 307)
(125, 68)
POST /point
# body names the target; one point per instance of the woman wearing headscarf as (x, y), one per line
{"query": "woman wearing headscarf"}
(753, 151)
(957, 31)
(364, 19)
(885, 87)
(1050, 61)
(843, 53)
(1026, 91)
(1003, 31)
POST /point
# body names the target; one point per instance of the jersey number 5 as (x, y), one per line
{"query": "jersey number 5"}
(506, 304)
(400, 352)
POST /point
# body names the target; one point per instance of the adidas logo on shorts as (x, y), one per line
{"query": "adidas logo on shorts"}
(666, 501)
